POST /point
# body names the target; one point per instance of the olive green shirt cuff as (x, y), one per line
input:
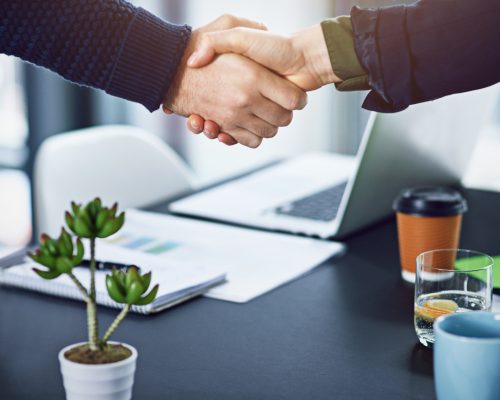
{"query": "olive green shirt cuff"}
(345, 64)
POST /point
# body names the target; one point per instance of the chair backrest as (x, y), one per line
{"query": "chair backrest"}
(116, 163)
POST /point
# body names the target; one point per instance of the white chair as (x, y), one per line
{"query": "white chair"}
(116, 163)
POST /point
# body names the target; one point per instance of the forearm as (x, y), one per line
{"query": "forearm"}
(416, 53)
(106, 44)
(427, 50)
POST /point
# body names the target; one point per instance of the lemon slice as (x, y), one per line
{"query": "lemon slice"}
(434, 308)
(443, 305)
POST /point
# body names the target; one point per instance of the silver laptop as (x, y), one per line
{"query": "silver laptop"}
(330, 195)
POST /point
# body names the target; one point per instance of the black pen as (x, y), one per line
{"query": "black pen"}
(105, 265)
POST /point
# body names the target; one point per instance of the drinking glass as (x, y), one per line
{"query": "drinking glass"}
(449, 281)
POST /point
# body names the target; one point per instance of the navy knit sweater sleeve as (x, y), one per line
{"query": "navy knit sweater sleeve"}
(427, 50)
(106, 44)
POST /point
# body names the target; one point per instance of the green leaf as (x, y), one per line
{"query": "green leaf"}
(148, 298)
(70, 221)
(82, 229)
(91, 209)
(112, 226)
(77, 259)
(64, 265)
(64, 244)
(146, 280)
(68, 243)
(113, 209)
(51, 246)
(75, 207)
(46, 260)
(134, 292)
(119, 276)
(47, 274)
(85, 216)
(114, 290)
(44, 251)
(61, 247)
(101, 219)
(132, 276)
(121, 221)
(107, 229)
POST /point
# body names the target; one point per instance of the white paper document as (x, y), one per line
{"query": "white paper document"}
(178, 281)
(255, 262)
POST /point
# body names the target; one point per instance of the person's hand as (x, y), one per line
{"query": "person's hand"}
(196, 123)
(248, 101)
(302, 58)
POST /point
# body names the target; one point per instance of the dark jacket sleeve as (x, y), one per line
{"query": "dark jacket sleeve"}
(106, 44)
(427, 50)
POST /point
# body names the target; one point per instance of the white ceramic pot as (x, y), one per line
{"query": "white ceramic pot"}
(98, 382)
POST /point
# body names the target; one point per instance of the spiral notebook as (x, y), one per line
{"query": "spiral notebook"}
(178, 281)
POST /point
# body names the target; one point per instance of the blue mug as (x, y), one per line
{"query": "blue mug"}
(467, 356)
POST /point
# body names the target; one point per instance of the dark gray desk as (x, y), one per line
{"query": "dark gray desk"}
(345, 331)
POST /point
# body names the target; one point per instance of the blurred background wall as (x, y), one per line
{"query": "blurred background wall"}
(36, 103)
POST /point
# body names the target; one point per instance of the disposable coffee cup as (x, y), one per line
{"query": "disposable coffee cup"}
(428, 218)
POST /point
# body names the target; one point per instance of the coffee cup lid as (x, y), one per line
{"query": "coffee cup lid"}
(430, 202)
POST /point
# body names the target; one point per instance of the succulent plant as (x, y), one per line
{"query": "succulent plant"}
(93, 220)
(59, 256)
(129, 287)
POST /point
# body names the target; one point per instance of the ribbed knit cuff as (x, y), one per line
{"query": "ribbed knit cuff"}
(148, 60)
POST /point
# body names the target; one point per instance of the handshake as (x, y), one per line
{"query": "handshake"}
(240, 84)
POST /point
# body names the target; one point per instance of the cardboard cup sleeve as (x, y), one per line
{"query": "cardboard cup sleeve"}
(428, 218)
(420, 234)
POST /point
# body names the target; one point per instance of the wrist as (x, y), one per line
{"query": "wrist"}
(312, 45)
(173, 99)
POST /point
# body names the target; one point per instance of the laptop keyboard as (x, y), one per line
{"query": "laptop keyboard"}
(320, 206)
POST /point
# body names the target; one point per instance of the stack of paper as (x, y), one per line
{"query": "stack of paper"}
(178, 281)
(189, 257)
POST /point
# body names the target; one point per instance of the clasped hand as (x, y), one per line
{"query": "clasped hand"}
(240, 83)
